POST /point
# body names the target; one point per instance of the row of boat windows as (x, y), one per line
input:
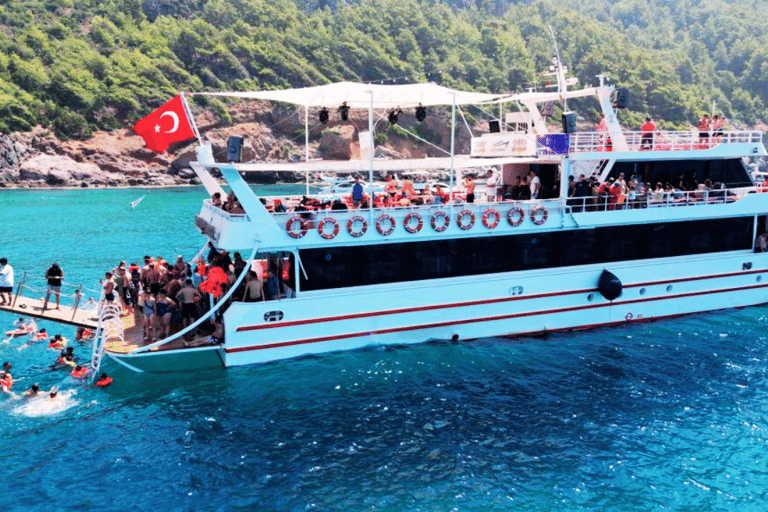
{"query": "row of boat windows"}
(338, 267)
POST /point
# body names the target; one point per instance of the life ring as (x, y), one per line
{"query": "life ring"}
(385, 217)
(539, 215)
(487, 214)
(290, 227)
(460, 219)
(407, 222)
(321, 228)
(442, 218)
(515, 216)
(363, 226)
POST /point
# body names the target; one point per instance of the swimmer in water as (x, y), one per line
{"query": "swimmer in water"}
(6, 383)
(67, 357)
(34, 391)
(53, 393)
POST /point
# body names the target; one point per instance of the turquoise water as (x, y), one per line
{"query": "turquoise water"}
(659, 416)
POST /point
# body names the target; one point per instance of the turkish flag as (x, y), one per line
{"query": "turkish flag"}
(164, 126)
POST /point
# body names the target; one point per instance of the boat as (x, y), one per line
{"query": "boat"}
(399, 275)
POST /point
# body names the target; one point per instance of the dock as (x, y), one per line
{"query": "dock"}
(25, 306)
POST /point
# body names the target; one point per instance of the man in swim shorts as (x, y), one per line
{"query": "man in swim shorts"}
(54, 275)
(6, 282)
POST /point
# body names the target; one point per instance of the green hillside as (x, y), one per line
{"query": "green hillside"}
(81, 66)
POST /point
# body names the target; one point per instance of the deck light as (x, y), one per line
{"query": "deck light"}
(393, 116)
(421, 113)
(322, 116)
(344, 111)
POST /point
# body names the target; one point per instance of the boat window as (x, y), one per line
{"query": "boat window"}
(282, 264)
(338, 267)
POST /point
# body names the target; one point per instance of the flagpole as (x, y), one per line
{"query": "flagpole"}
(188, 111)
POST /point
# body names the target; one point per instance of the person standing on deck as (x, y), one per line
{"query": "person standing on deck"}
(490, 187)
(646, 138)
(357, 192)
(54, 275)
(535, 185)
(704, 129)
(6, 282)
(469, 186)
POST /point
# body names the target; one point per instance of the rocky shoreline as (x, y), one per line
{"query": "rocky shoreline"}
(38, 159)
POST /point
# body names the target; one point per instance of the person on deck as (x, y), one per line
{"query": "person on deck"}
(646, 137)
(357, 192)
(391, 187)
(535, 185)
(704, 129)
(469, 186)
(490, 187)
(54, 275)
(272, 286)
(6, 282)
(254, 290)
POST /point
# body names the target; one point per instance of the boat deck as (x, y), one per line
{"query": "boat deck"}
(25, 306)
(133, 338)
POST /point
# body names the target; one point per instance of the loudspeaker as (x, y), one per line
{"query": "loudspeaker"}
(569, 122)
(234, 148)
(548, 107)
(622, 98)
(494, 126)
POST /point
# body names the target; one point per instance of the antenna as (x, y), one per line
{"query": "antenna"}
(559, 71)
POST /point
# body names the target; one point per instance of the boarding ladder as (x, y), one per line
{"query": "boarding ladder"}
(109, 328)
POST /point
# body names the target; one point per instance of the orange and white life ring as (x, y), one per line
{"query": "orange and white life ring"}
(515, 216)
(410, 226)
(357, 220)
(489, 214)
(296, 230)
(380, 220)
(439, 221)
(460, 219)
(322, 231)
(539, 215)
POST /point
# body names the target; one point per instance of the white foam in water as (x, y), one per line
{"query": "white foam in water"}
(43, 406)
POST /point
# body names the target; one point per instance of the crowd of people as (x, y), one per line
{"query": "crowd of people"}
(170, 297)
(589, 194)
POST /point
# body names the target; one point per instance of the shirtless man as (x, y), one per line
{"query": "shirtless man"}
(109, 287)
(188, 298)
(254, 290)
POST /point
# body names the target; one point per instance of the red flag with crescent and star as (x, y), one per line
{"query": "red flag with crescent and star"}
(164, 126)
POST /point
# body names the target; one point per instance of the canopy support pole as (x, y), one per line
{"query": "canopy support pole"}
(306, 141)
(370, 171)
(453, 144)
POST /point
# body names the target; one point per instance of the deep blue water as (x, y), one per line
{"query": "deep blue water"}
(668, 415)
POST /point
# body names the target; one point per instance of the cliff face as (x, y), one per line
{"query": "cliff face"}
(119, 158)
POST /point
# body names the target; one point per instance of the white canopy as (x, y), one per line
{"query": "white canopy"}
(357, 95)
(398, 165)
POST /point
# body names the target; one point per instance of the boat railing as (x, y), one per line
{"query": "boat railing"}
(652, 199)
(215, 211)
(582, 142)
(30, 285)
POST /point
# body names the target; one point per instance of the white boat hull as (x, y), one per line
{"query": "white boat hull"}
(512, 304)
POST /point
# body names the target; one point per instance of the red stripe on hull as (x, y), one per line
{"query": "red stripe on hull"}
(488, 319)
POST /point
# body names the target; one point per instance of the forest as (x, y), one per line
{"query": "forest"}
(79, 66)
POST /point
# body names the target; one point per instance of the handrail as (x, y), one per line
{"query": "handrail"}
(200, 320)
(661, 140)
(110, 325)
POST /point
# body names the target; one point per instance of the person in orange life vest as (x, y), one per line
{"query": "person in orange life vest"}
(646, 138)
(104, 381)
(704, 128)
(6, 383)
(79, 371)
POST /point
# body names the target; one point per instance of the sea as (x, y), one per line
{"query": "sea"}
(666, 415)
